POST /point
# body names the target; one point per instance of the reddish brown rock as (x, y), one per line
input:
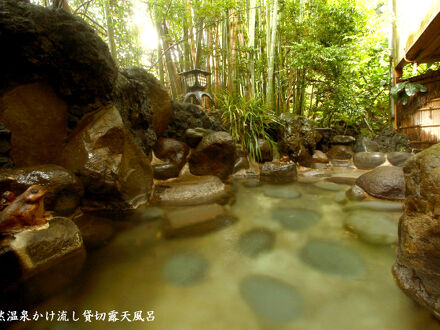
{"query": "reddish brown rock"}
(274, 172)
(165, 171)
(37, 119)
(171, 151)
(320, 157)
(384, 182)
(191, 191)
(64, 189)
(214, 155)
(368, 160)
(340, 152)
(114, 170)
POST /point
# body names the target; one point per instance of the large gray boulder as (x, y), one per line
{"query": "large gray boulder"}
(417, 268)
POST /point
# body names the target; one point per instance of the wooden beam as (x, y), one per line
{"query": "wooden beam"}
(428, 39)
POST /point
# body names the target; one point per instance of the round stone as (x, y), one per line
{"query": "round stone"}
(398, 158)
(356, 193)
(271, 299)
(185, 268)
(281, 192)
(330, 186)
(256, 241)
(332, 258)
(296, 219)
(368, 160)
(372, 227)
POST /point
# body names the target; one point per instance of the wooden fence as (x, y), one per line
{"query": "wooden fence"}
(420, 118)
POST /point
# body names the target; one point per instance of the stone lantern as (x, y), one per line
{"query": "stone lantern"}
(196, 82)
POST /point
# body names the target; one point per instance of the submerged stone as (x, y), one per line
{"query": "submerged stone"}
(196, 220)
(256, 241)
(372, 227)
(356, 193)
(296, 219)
(330, 186)
(340, 198)
(332, 258)
(252, 183)
(281, 192)
(375, 206)
(271, 299)
(185, 268)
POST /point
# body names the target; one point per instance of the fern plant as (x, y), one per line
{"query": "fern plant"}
(247, 121)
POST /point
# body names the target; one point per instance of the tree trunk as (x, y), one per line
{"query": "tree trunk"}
(110, 31)
(271, 55)
(251, 45)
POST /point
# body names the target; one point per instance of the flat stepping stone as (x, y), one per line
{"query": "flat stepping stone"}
(271, 299)
(196, 220)
(296, 218)
(330, 186)
(281, 192)
(342, 180)
(185, 269)
(375, 206)
(332, 258)
(372, 227)
(256, 241)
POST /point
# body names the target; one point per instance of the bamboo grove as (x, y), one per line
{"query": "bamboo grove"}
(324, 59)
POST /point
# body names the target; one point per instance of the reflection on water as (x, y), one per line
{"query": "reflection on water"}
(269, 270)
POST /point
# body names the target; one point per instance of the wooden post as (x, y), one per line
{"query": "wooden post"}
(397, 75)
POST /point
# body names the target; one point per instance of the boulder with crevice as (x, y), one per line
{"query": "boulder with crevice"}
(188, 115)
(144, 104)
(296, 137)
(171, 151)
(417, 267)
(116, 174)
(214, 155)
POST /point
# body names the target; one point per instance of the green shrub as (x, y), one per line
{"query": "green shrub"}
(247, 121)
